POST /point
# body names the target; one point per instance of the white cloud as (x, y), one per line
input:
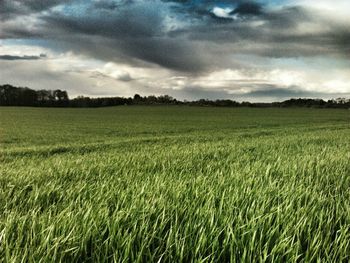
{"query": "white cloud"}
(78, 75)
(22, 50)
(114, 71)
(337, 11)
(222, 12)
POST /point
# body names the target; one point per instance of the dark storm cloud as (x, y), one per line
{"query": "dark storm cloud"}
(288, 17)
(282, 22)
(11, 8)
(248, 8)
(137, 32)
(10, 57)
(203, 9)
(276, 33)
(125, 23)
(39, 5)
(130, 34)
(140, 31)
(110, 4)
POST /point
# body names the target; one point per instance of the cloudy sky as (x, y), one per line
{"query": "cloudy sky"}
(190, 49)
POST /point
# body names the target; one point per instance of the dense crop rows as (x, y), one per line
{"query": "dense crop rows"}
(174, 184)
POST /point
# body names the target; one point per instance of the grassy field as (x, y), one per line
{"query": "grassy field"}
(174, 184)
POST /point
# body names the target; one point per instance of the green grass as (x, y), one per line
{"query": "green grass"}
(174, 184)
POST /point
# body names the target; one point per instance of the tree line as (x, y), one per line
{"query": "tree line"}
(23, 96)
(18, 96)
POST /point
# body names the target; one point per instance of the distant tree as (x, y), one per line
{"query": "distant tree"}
(7, 95)
(45, 97)
(137, 97)
(60, 97)
(28, 97)
(13, 96)
(165, 99)
(152, 99)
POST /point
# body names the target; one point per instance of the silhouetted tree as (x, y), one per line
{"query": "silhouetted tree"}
(60, 97)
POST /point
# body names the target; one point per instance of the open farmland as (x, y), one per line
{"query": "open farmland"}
(174, 184)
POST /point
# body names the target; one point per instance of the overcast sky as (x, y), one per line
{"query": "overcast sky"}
(243, 50)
